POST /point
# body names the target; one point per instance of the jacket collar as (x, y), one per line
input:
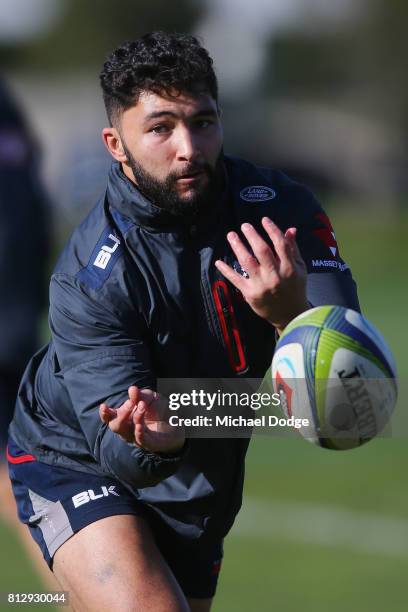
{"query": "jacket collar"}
(125, 197)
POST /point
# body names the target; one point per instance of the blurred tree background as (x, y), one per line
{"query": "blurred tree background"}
(359, 69)
(327, 98)
(88, 30)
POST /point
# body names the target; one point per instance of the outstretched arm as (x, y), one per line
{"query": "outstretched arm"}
(100, 356)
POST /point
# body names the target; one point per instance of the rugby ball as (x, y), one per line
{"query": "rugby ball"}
(334, 370)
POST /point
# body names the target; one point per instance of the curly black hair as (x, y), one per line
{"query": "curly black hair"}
(158, 62)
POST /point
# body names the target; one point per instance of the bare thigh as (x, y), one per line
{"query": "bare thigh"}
(114, 564)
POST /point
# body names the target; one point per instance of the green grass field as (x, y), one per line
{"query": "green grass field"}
(319, 530)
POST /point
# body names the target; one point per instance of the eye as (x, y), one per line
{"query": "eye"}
(159, 129)
(204, 123)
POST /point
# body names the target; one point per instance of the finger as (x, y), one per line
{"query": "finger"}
(291, 236)
(109, 417)
(151, 410)
(134, 395)
(121, 416)
(246, 260)
(106, 414)
(139, 414)
(147, 395)
(280, 243)
(138, 422)
(125, 411)
(260, 248)
(234, 277)
(133, 392)
(126, 407)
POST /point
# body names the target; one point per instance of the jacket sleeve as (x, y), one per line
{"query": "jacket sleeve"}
(329, 278)
(99, 358)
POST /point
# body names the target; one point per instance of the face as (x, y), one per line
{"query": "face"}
(171, 147)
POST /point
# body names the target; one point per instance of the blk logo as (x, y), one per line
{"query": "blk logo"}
(86, 496)
(106, 252)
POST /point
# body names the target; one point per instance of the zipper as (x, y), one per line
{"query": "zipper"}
(229, 327)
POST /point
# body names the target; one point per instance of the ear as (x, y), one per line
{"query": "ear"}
(113, 143)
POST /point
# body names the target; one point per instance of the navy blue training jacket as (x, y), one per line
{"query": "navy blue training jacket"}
(135, 297)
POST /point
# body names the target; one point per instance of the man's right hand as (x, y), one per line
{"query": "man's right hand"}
(143, 420)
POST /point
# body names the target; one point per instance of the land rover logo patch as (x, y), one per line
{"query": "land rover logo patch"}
(257, 193)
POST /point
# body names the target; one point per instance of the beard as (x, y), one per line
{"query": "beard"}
(164, 193)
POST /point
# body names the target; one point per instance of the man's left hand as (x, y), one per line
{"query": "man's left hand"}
(276, 284)
(143, 420)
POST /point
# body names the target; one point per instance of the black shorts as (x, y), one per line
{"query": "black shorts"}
(57, 502)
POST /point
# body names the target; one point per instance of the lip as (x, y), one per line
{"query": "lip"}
(190, 178)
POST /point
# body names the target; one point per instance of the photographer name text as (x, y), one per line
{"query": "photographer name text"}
(239, 421)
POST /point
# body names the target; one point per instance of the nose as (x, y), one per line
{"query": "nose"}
(188, 149)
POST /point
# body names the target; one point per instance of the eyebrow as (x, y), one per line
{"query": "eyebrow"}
(166, 113)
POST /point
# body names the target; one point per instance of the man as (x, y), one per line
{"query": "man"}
(157, 283)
